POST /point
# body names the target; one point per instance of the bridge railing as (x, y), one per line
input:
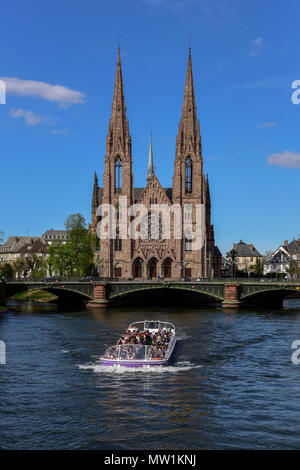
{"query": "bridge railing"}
(157, 281)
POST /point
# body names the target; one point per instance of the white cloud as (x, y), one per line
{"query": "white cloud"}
(254, 53)
(60, 131)
(267, 124)
(288, 159)
(257, 44)
(57, 93)
(30, 118)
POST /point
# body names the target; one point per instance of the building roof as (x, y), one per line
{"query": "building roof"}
(55, 234)
(243, 249)
(280, 256)
(294, 247)
(36, 247)
(137, 193)
(15, 243)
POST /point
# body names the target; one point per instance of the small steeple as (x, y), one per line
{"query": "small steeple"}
(95, 204)
(207, 191)
(95, 200)
(150, 170)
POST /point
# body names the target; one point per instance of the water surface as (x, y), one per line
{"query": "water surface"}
(231, 384)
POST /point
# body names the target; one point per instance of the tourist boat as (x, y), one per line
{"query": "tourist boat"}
(139, 355)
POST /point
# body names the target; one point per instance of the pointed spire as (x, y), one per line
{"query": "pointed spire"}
(150, 170)
(207, 191)
(189, 125)
(95, 192)
(118, 124)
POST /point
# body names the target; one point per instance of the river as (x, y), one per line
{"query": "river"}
(231, 383)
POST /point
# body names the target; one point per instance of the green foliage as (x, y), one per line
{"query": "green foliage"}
(76, 256)
(294, 270)
(35, 294)
(231, 256)
(7, 272)
(21, 267)
(257, 269)
(36, 265)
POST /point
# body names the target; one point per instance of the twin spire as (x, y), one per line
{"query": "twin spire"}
(188, 127)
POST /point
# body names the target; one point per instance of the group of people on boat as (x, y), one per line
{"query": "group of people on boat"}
(132, 344)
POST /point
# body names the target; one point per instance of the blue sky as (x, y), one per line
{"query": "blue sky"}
(245, 56)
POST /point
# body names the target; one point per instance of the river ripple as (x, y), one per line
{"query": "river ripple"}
(231, 383)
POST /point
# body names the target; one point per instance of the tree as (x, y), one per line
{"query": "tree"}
(231, 255)
(7, 272)
(258, 268)
(20, 267)
(294, 270)
(80, 244)
(76, 256)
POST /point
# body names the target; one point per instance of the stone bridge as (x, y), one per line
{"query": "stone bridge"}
(231, 293)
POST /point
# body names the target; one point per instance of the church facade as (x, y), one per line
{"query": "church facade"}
(150, 257)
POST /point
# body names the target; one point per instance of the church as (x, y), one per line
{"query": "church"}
(155, 257)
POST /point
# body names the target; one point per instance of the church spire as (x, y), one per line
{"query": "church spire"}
(95, 203)
(118, 124)
(189, 129)
(150, 171)
(95, 192)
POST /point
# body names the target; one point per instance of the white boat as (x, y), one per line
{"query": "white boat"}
(143, 355)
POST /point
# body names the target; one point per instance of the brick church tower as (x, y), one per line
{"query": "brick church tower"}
(148, 258)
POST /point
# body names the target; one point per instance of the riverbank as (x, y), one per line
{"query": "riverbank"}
(36, 295)
(3, 309)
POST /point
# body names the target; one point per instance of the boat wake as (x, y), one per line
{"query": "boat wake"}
(171, 369)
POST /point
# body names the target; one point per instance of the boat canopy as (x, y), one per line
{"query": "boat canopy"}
(152, 325)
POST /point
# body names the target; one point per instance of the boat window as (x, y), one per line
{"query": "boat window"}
(151, 325)
(131, 352)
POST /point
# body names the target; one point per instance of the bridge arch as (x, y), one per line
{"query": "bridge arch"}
(168, 294)
(63, 291)
(264, 290)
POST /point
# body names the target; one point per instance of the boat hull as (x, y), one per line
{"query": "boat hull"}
(112, 362)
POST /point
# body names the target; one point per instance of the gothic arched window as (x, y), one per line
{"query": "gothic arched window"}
(118, 175)
(118, 270)
(188, 175)
(188, 244)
